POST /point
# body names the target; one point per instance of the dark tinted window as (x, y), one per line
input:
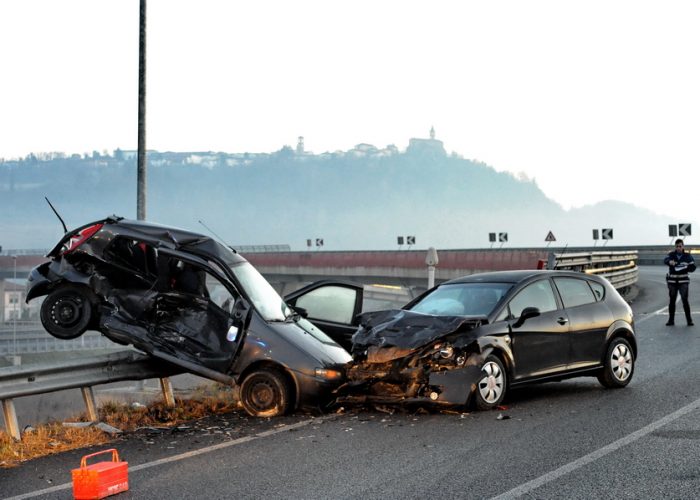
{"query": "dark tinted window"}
(574, 292)
(538, 294)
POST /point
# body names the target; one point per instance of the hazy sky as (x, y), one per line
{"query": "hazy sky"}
(594, 99)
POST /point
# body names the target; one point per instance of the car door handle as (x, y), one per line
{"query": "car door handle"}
(562, 321)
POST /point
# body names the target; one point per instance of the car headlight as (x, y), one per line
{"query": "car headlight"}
(328, 374)
(447, 351)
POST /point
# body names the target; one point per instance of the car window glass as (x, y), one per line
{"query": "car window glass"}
(329, 303)
(598, 290)
(538, 294)
(574, 292)
(219, 294)
(462, 299)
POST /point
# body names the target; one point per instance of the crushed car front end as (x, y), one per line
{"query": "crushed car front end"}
(401, 357)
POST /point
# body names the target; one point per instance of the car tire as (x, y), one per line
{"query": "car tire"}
(618, 366)
(265, 393)
(491, 387)
(67, 312)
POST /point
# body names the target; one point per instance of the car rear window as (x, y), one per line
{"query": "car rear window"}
(574, 292)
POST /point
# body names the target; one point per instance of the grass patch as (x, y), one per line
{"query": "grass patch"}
(53, 438)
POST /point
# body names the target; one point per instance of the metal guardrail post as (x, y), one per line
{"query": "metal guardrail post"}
(167, 388)
(90, 404)
(11, 424)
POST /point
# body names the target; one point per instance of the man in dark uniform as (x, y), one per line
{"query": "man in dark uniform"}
(679, 263)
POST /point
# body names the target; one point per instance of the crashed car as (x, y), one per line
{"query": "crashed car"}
(191, 301)
(469, 340)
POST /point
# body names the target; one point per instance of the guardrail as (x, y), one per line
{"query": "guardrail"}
(618, 267)
(29, 380)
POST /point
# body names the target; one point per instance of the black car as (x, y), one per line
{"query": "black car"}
(187, 299)
(473, 338)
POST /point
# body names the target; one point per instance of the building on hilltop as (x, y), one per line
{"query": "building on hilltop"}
(422, 146)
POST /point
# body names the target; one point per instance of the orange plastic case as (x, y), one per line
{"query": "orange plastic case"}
(100, 479)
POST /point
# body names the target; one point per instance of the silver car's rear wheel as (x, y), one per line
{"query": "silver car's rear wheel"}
(491, 387)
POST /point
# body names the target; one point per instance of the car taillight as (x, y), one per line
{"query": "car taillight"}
(80, 237)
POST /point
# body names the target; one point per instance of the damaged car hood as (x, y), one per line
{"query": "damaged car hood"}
(404, 329)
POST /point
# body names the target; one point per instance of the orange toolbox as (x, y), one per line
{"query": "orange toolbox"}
(100, 479)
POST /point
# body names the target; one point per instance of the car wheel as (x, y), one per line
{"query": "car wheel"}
(264, 393)
(491, 387)
(618, 367)
(67, 312)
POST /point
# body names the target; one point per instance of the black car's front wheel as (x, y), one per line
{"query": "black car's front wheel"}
(618, 367)
(265, 393)
(491, 387)
(67, 312)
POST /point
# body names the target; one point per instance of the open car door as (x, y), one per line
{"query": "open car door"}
(333, 306)
(192, 316)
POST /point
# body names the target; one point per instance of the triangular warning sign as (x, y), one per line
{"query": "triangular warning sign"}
(550, 237)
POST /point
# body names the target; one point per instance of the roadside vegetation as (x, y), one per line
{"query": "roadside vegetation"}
(54, 437)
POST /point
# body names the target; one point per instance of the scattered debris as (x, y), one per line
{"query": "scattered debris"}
(502, 416)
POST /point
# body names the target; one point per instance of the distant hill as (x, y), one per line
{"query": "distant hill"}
(359, 199)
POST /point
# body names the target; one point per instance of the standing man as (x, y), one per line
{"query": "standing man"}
(679, 263)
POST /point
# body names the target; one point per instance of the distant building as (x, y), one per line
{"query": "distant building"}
(300, 146)
(430, 146)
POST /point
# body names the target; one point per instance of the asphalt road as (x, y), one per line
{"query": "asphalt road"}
(571, 439)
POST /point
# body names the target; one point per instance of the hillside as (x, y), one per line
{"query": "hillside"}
(360, 199)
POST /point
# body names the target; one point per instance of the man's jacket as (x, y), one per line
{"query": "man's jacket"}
(678, 273)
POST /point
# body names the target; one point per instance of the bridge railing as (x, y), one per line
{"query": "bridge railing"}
(618, 267)
(83, 373)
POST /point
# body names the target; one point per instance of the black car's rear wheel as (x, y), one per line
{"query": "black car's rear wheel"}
(67, 312)
(618, 367)
(491, 387)
(265, 393)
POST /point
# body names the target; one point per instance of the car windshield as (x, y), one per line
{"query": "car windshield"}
(265, 299)
(462, 299)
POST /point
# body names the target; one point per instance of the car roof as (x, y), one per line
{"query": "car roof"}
(515, 276)
(169, 236)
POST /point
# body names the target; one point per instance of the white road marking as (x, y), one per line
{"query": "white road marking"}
(595, 455)
(651, 315)
(183, 456)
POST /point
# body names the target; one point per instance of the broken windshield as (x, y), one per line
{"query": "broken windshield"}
(265, 299)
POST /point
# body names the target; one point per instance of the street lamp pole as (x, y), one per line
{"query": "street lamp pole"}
(14, 321)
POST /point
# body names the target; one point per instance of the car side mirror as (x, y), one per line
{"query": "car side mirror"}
(300, 311)
(528, 312)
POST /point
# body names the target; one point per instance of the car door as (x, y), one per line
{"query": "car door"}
(332, 306)
(199, 315)
(589, 320)
(540, 344)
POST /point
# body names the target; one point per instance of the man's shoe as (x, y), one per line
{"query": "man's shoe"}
(670, 323)
(690, 323)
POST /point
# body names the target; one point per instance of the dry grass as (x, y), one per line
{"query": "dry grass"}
(55, 438)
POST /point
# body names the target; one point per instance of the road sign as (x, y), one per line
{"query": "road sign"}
(399, 240)
(607, 234)
(595, 234)
(502, 237)
(410, 240)
(550, 237)
(672, 230)
(319, 242)
(492, 237)
(684, 229)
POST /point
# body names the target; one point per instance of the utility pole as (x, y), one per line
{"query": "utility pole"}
(141, 167)
(14, 309)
